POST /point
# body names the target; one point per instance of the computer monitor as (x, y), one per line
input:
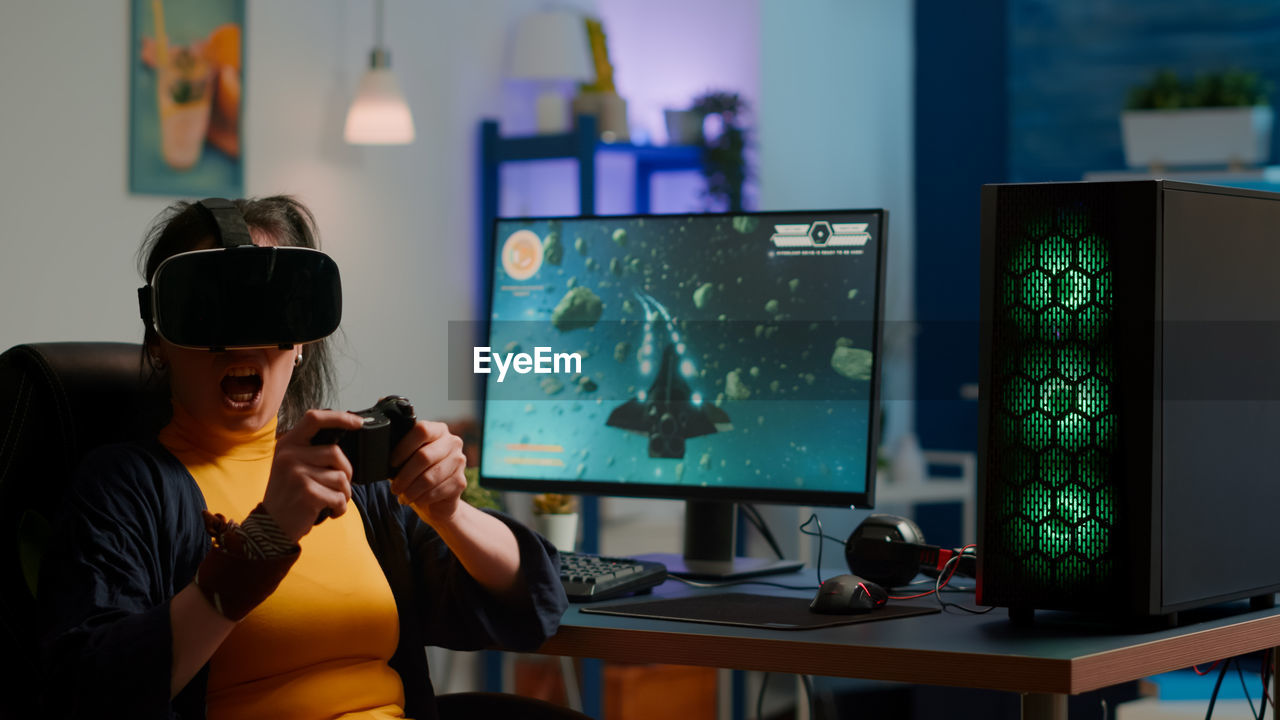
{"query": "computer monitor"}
(712, 358)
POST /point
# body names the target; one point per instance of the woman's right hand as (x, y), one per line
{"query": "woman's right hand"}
(305, 478)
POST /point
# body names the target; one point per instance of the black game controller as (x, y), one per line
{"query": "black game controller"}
(369, 448)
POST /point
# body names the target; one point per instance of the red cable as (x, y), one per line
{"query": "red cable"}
(1198, 671)
(938, 586)
(910, 597)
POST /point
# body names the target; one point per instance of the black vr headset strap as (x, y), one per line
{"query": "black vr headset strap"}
(230, 230)
(144, 303)
(227, 218)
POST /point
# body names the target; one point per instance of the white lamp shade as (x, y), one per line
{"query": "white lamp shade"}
(551, 45)
(379, 115)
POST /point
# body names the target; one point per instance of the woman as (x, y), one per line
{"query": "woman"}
(277, 616)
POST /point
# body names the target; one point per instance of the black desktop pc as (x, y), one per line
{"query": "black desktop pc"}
(716, 359)
(1130, 403)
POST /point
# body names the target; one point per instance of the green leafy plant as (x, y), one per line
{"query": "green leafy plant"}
(480, 497)
(724, 163)
(1229, 88)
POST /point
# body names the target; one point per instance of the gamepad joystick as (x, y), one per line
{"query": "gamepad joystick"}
(369, 448)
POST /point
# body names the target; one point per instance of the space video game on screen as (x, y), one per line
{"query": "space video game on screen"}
(733, 351)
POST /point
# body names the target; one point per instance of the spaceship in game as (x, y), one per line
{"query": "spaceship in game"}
(668, 412)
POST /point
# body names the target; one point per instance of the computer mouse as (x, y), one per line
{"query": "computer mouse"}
(848, 594)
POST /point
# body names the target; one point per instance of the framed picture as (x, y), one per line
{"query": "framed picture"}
(186, 69)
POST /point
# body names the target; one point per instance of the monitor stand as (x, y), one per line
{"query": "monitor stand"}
(709, 547)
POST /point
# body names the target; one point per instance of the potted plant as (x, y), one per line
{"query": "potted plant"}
(555, 517)
(479, 496)
(1219, 118)
(724, 163)
(684, 127)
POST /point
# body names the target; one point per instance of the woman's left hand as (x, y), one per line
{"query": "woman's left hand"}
(431, 476)
(431, 480)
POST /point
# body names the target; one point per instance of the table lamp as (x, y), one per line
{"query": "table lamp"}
(550, 49)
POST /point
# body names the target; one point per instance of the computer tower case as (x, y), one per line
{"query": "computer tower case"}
(1129, 436)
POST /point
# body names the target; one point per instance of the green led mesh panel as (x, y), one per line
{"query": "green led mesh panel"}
(1050, 502)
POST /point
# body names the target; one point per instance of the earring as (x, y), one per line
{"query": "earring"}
(297, 360)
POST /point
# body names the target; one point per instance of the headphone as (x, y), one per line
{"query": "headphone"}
(890, 550)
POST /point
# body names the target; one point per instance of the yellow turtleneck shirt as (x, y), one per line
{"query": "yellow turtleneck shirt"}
(318, 647)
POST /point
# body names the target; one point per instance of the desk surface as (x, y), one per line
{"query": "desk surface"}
(1060, 653)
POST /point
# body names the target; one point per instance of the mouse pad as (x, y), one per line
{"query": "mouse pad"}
(759, 611)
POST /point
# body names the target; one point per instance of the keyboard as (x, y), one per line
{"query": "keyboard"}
(593, 577)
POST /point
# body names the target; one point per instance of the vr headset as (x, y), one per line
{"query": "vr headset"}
(240, 295)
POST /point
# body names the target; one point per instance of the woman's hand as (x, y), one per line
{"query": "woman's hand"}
(305, 478)
(431, 475)
(431, 480)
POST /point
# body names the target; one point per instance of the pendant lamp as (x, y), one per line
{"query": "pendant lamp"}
(379, 114)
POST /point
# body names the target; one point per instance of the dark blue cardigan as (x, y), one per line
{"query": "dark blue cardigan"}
(132, 537)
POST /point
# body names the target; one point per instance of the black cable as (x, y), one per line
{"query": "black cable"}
(727, 583)
(1266, 670)
(948, 570)
(813, 518)
(944, 577)
(807, 682)
(971, 611)
(1252, 710)
(764, 682)
(1214, 697)
(754, 516)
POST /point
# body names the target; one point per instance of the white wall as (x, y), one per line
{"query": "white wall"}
(399, 221)
(833, 115)
(69, 229)
(666, 52)
(836, 131)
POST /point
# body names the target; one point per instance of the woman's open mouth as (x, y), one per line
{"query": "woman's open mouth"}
(241, 386)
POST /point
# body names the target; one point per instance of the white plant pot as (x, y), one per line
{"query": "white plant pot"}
(1196, 137)
(684, 127)
(561, 530)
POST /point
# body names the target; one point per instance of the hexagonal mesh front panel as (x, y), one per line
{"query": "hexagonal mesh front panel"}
(1051, 508)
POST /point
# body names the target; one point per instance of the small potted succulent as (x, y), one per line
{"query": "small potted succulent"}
(1217, 119)
(555, 517)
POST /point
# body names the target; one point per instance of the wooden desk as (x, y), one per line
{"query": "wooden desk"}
(1061, 655)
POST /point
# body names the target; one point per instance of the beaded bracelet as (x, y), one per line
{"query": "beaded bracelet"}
(246, 564)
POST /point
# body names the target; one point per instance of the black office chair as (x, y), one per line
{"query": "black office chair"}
(58, 401)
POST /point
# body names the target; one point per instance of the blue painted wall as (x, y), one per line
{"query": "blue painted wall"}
(1026, 91)
(960, 145)
(1071, 65)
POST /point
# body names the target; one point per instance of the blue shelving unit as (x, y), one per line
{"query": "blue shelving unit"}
(582, 145)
